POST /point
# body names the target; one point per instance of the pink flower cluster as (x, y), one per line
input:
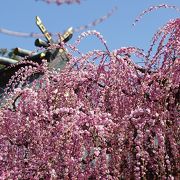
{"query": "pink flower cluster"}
(101, 117)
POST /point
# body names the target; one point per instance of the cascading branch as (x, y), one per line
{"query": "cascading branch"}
(77, 29)
(102, 117)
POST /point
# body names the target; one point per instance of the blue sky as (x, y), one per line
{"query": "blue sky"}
(19, 15)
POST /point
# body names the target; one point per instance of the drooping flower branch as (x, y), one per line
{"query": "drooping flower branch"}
(153, 8)
(77, 29)
(60, 2)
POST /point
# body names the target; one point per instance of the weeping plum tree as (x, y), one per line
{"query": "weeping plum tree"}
(101, 117)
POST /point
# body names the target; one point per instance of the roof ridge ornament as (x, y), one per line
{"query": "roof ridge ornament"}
(43, 29)
(57, 58)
